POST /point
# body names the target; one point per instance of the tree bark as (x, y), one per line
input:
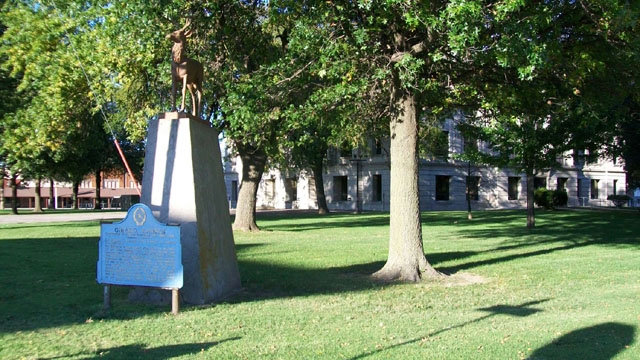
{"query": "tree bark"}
(531, 214)
(253, 163)
(74, 197)
(98, 201)
(38, 205)
(406, 260)
(14, 194)
(51, 203)
(321, 197)
(469, 215)
(2, 177)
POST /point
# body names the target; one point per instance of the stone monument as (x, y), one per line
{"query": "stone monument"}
(183, 184)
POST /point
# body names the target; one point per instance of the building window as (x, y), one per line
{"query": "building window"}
(615, 187)
(539, 182)
(594, 188)
(514, 187)
(473, 188)
(470, 144)
(442, 187)
(291, 189)
(561, 183)
(441, 150)
(270, 190)
(377, 187)
(378, 150)
(340, 188)
(111, 184)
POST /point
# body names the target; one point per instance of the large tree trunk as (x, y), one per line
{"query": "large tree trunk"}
(531, 214)
(253, 163)
(97, 205)
(321, 197)
(38, 206)
(406, 260)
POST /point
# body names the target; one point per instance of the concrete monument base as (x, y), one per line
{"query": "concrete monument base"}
(183, 184)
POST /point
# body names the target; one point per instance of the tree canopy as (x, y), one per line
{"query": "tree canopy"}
(54, 127)
(551, 82)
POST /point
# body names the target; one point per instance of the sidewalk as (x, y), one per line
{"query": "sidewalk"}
(26, 216)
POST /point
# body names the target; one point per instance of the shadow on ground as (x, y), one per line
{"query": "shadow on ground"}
(142, 351)
(520, 310)
(598, 342)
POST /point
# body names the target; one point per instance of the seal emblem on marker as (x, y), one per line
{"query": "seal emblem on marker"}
(139, 216)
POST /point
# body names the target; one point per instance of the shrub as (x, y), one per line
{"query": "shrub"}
(550, 199)
(560, 198)
(619, 200)
(543, 198)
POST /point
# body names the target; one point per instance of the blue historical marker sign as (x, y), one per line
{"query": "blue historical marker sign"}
(140, 251)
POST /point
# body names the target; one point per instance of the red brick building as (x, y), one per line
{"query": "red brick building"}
(117, 191)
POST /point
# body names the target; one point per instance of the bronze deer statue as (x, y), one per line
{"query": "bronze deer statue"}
(185, 70)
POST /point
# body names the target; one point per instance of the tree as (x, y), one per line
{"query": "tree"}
(273, 107)
(541, 74)
(252, 115)
(627, 145)
(10, 101)
(55, 130)
(391, 47)
(327, 107)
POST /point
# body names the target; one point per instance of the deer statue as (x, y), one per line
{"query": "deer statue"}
(185, 70)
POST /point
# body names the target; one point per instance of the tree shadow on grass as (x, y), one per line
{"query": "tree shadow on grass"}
(306, 221)
(263, 280)
(557, 231)
(599, 342)
(496, 260)
(599, 227)
(521, 310)
(49, 282)
(142, 351)
(552, 246)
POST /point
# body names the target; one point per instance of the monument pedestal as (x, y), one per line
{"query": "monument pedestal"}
(183, 183)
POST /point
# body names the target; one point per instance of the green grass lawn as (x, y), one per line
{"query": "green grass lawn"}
(569, 289)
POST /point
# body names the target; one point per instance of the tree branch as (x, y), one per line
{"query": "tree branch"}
(296, 74)
(415, 50)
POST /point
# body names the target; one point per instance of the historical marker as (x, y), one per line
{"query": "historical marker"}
(140, 251)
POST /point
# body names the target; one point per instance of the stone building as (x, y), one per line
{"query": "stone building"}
(359, 180)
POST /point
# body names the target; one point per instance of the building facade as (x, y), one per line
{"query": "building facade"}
(117, 191)
(359, 181)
